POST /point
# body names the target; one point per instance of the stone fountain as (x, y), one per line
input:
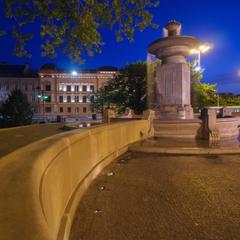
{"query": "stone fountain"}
(172, 92)
(173, 76)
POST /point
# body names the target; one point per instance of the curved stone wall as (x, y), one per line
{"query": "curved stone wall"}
(42, 183)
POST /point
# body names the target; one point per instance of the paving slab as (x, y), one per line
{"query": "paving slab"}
(162, 197)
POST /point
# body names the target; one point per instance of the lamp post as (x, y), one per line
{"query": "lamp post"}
(42, 98)
(198, 51)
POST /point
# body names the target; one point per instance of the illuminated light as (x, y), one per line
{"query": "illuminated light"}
(197, 69)
(205, 48)
(74, 73)
(194, 51)
(65, 100)
(201, 49)
(88, 124)
(238, 73)
(64, 88)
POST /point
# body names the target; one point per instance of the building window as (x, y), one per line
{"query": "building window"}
(76, 88)
(61, 109)
(33, 98)
(68, 99)
(84, 99)
(91, 99)
(84, 88)
(68, 88)
(48, 99)
(84, 109)
(76, 99)
(77, 110)
(26, 87)
(48, 109)
(69, 109)
(48, 88)
(60, 98)
(92, 88)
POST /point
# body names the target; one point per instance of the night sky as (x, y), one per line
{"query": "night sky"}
(215, 22)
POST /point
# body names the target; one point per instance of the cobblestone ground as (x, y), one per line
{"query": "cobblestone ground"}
(156, 197)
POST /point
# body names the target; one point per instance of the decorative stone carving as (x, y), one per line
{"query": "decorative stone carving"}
(150, 116)
(210, 131)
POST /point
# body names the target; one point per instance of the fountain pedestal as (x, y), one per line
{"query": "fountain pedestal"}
(173, 75)
(173, 91)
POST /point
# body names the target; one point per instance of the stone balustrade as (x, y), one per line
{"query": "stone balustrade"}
(41, 184)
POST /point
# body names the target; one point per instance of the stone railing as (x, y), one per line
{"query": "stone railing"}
(41, 184)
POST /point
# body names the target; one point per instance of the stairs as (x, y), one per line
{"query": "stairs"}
(177, 128)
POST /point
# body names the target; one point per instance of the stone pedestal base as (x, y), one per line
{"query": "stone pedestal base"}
(174, 112)
(172, 91)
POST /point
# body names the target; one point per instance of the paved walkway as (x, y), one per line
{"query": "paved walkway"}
(154, 197)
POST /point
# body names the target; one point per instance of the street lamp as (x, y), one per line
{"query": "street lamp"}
(201, 49)
(43, 98)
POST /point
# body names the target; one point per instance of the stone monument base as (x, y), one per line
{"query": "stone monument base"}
(174, 112)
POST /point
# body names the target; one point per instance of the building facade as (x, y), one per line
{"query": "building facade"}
(19, 77)
(53, 93)
(69, 94)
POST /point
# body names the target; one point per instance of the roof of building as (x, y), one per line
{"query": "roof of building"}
(49, 67)
(52, 68)
(9, 70)
(108, 68)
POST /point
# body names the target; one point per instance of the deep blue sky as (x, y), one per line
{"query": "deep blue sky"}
(213, 21)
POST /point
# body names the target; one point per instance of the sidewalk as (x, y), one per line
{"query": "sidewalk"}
(149, 197)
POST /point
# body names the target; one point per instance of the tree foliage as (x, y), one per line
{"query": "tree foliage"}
(75, 26)
(127, 90)
(202, 94)
(229, 100)
(16, 110)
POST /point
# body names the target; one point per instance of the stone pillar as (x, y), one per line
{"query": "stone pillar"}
(173, 98)
(209, 126)
(107, 115)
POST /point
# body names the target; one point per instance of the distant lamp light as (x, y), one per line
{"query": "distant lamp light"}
(238, 73)
(74, 73)
(198, 51)
(197, 69)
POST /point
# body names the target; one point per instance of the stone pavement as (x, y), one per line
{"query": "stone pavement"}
(153, 197)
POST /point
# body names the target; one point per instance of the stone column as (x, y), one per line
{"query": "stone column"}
(173, 98)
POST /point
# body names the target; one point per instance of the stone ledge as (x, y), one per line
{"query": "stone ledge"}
(42, 183)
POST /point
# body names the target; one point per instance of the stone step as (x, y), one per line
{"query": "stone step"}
(177, 129)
